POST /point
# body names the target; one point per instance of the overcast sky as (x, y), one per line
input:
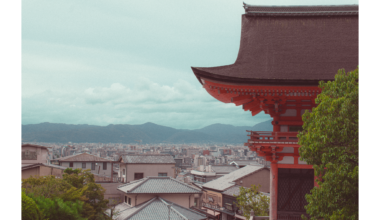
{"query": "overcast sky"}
(128, 62)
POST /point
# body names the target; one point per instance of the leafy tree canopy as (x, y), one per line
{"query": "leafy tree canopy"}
(30, 210)
(251, 199)
(329, 141)
(77, 191)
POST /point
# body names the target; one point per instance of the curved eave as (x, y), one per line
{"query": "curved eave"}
(252, 81)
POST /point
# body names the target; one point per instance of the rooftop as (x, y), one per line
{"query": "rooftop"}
(223, 168)
(156, 209)
(310, 10)
(226, 181)
(83, 157)
(157, 185)
(244, 162)
(29, 166)
(291, 46)
(34, 145)
(233, 191)
(148, 158)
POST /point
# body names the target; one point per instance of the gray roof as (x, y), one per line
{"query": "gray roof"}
(28, 166)
(226, 181)
(233, 191)
(83, 157)
(244, 162)
(224, 169)
(157, 185)
(157, 208)
(148, 158)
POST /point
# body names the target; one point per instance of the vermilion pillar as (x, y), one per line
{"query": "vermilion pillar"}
(273, 190)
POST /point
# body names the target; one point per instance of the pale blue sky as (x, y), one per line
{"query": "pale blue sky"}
(128, 62)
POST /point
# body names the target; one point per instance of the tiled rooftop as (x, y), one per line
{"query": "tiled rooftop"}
(233, 191)
(226, 181)
(82, 158)
(28, 166)
(223, 169)
(148, 158)
(156, 209)
(157, 185)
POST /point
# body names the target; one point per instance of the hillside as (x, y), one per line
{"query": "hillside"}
(148, 133)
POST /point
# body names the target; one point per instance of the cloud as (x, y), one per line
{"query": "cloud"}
(181, 106)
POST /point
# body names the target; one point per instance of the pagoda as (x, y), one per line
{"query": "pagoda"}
(284, 52)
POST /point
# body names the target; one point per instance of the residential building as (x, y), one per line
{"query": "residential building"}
(97, 165)
(41, 169)
(135, 167)
(158, 198)
(34, 154)
(204, 174)
(212, 198)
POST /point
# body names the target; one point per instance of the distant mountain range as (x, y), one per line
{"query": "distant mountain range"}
(148, 133)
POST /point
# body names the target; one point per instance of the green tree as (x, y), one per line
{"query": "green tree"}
(30, 210)
(251, 199)
(58, 209)
(84, 180)
(77, 187)
(329, 141)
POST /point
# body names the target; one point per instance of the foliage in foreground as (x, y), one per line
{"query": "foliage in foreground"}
(76, 196)
(30, 210)
(329, 141)
(251, 199)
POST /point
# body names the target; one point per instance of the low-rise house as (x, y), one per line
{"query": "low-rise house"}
(41, 169)
(98, 165)
(158, 198)
(34, 154)
(212, 198)
(204, 174)
(135, 167)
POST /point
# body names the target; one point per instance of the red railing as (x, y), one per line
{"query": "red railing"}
(269, 137)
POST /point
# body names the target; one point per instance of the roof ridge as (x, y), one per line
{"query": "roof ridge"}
(76, 155)
(288, 6)
(171, 207)
(129, 183)
(142, 206)
(250, 173)
(142, 182)
(184, 184)
(185, 208)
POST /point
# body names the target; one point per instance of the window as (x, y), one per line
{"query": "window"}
(71, 164)
(29, 155)
(196, 202)
(104, 165)
(295, 128)
(83, 165)
(123, 171)
(162, 174)
(127, 200)
(92, 166)
(139, 176)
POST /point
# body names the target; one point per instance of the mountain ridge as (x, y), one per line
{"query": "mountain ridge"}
(148, 132)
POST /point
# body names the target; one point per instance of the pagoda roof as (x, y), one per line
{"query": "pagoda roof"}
(291, 45)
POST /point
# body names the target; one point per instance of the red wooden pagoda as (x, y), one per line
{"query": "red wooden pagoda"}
(284, 53)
